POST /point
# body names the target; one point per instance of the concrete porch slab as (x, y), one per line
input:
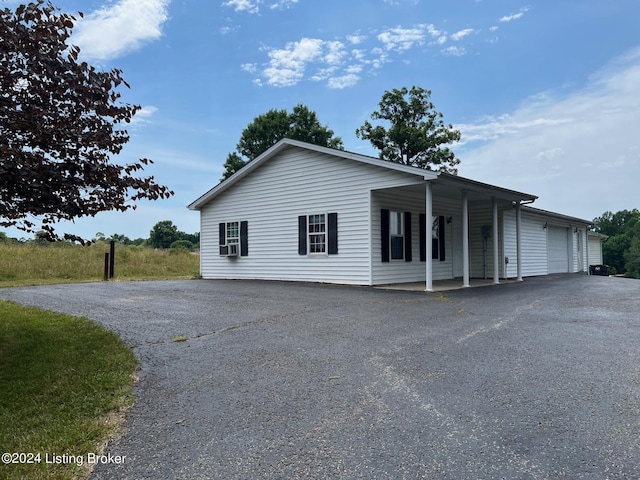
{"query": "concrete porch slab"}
(444, 285)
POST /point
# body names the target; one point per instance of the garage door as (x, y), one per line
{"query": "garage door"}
(558, 250)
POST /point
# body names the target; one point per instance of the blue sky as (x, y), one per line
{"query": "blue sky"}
(546, 94)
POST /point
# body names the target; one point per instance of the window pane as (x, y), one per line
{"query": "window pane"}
(397, 248)
(317, 243)
(396, 223)
(435, 243)
(233, 231)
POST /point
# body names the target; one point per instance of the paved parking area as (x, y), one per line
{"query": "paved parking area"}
(534, 380)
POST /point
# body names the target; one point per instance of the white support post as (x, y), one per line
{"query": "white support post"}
(586, 250)
(428, 215)
(519, 240)
(465, 240)
(496, 264)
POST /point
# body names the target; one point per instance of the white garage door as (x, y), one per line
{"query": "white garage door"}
(558, 250)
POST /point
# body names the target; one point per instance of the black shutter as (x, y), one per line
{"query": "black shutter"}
(302, 235)
(222, 237)
(423, 237)
(441, 229)
(384, 233)
(333, 234)
(244, 239)
(407, 237)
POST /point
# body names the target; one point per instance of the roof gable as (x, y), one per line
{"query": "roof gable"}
(289, 143)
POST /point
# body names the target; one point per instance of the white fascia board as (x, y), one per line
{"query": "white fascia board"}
(565, 219)
(484, 188)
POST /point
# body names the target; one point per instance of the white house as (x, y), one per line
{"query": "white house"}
(304, 212)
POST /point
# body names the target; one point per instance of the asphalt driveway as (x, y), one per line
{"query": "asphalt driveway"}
(537, 380)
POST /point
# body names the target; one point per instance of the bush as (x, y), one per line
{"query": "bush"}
(182, 244)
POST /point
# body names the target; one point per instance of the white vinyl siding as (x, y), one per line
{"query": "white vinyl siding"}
(297, 182)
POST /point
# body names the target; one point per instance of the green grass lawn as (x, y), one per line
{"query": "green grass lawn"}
(65, 384)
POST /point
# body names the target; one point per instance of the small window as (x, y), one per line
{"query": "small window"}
(396, 232)
(317, 233)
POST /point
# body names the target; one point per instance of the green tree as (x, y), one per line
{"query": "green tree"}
(416, 132)
(163, 234)
(60, 125)
(269, 128)
(613, 224)
(620, 250)
(632, 256)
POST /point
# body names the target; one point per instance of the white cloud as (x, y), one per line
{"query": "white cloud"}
(462, 33)
(143, 116)
(120, 28)
(251, 68)
(356, 39)
(343, 81)
(454, 51)
(401, 39)
(336, 53)
(286, 66)
(334, 62)
(249, 6)
(282, 4)
(514, 16)
(578, 151)
(253, 6)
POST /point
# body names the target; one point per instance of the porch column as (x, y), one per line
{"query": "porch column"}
(586, 250)
(519, 240)
(465, 240)
(428, 215)
(496, 264)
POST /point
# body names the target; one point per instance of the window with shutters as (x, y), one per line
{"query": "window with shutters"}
(234, 239)
(318, 234)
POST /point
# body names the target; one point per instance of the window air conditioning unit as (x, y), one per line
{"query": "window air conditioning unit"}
(231, 250)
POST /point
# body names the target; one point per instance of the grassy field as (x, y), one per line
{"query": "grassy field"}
(65, 384)
(31, 264)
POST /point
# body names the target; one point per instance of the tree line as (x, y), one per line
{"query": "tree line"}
(621, 251)
(163, 235)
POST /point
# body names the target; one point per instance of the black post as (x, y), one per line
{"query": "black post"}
(112, 259)
(106, 267)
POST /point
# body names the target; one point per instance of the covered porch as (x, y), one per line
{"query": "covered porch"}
(459, 234)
